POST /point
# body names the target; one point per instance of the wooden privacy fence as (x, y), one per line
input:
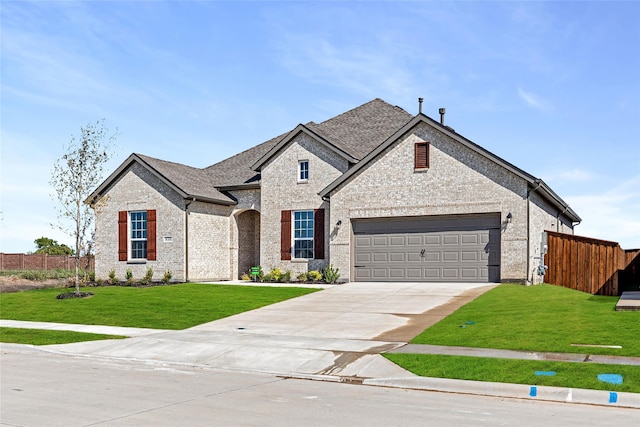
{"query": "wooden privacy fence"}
(599, 267)
(43, 262)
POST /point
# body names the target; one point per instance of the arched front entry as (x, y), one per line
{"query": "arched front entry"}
(248, 223)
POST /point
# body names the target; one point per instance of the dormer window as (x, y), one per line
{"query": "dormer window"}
(303, 170)
(421, 158)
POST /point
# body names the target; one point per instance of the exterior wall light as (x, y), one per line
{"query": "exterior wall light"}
(509, 217)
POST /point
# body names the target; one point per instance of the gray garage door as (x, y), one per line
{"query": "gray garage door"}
(458, 248)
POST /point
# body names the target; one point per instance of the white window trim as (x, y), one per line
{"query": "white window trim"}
(300, 179)
(131, 239)
(293, 235)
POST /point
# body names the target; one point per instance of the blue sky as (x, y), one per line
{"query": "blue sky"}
(552, 87)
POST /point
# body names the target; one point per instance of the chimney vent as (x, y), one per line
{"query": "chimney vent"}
(442, 111)
(420, 105)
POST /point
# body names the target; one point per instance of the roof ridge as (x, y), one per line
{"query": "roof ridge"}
(359, 107)
(145, 157)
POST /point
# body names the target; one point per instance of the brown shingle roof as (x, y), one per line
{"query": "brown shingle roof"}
(192, 181)
(358, 131)
(355, 132)
(236, 170)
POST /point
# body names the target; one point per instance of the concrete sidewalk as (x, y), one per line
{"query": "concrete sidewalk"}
(333, 335)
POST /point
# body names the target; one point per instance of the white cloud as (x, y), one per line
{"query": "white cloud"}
(572, 175)
(533, 100)
(375, 68)
(611, 215)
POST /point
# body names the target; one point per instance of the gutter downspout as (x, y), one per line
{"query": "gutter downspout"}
(558, 218)
(529, 191)
(186, 238)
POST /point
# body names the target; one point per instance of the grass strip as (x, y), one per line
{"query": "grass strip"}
(46, 337)
(567, 374)
(161, 307)
(542, 318)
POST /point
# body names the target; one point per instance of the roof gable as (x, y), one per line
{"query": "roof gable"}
(352, 134)
(535, 184)
(189, 182)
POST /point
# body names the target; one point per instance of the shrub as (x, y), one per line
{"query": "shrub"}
(112, 277)
(129, 277)
(314, 275)
(302, 277)
(36, 275)
(245, 277)
(286, 277)
(276, 275)
(167, 277)
(148, 276)
(331, 275)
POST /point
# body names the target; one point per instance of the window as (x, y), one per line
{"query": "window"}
(421, 160)
(303, 231)
(138, 235)
(303, 170)
(302, 234)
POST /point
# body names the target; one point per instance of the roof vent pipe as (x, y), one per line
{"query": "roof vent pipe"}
(420, 105)
(442, 111)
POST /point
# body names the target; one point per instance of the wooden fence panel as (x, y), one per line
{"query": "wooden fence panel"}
(43, 262)
(599, 267)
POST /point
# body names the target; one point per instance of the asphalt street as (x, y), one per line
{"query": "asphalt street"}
(44, 389)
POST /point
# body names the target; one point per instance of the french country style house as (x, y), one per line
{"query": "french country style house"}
(379, 193)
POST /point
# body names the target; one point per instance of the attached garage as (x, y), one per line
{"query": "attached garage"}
(452, 248)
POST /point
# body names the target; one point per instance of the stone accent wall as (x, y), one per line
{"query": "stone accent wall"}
(458, 181)
(282, 191)
(138, 189)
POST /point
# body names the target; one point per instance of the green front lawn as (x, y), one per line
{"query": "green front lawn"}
(567, 374)
(542, 318)
(46, 337)
(160, 307)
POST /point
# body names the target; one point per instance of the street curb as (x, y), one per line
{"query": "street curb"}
(517, 391)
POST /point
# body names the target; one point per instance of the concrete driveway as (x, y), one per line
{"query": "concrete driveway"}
(338, 331)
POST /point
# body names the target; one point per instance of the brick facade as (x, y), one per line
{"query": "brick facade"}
(281, 190)
(227, 229)
(138, 189)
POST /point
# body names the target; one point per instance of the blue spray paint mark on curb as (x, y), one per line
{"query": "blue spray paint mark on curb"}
(613, 397)
(545, 373)
(533, 392)
(610, 378)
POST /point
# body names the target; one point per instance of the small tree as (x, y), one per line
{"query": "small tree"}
(74, 176)
(49, 246)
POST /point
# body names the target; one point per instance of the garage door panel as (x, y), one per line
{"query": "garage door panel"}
(432, 240)
(470, 256)
(432, 273)
(414, 257)
(413, 240)
(363, 258)
(450, 273)
(450, 256)
(397, 273)
(380, 241)
(380, 257)
(469, 273)
(396, 257)
(432, 256)
(451, 239)
(363, 241)
(379, 273)
(464, 248)
(470, 239)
